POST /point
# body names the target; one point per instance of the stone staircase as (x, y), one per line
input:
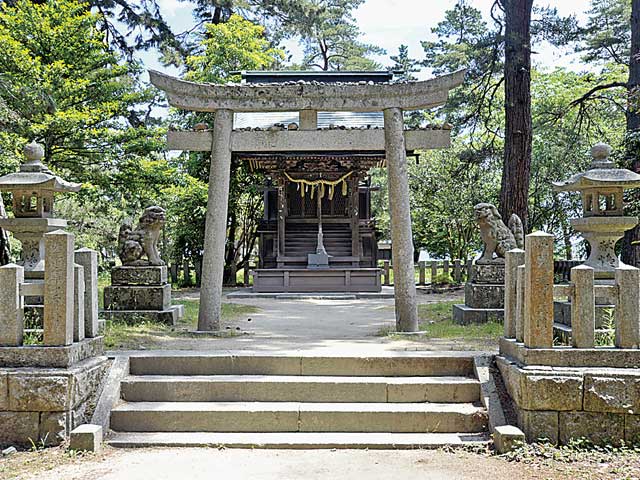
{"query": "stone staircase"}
(408, 401)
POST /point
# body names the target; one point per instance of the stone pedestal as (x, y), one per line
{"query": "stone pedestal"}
(140, 293)
(48, 391)
(483, 295)
(599, 404)
(317, 260)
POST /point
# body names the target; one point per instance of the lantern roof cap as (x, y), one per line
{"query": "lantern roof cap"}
(601, 173)
(35, 174)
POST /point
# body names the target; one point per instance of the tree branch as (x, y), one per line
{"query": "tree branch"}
(597, 88)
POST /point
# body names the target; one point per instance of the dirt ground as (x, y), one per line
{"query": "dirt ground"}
(203, 463)
(318, 325)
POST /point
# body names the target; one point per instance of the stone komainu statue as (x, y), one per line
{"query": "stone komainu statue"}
(496, 236)
(143, 241)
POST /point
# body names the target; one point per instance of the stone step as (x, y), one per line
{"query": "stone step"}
(299, 440)
(298, 417)
(396, 364)
(297, 388)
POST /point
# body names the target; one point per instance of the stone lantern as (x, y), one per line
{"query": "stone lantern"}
(603, 223)
(33, 189)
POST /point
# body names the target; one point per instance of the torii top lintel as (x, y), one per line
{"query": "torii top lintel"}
(352, 97)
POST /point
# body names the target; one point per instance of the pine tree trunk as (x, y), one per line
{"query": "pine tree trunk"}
(630, 252)
(514, 192)
(5, 249)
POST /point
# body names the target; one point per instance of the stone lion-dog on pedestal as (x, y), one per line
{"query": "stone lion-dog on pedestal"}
(143, 241)
(498, 239)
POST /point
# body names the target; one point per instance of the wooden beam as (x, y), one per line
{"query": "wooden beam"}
(308, 140)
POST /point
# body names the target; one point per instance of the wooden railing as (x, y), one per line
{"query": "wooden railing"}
(458, 269)
(529, 294)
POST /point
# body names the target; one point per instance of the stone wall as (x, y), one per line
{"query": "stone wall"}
(561, 403)
(45, 404)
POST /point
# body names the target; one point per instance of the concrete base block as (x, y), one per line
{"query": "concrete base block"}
(139, 297)
(599, 428)
(539, 425)
(632, 429)
(44, 404)
(507, 438)
(170, 316)
(123, 276)
(488, 273)
(481, 295)
(464, 315)
(570, 357)
(86, 438)
(54, 357)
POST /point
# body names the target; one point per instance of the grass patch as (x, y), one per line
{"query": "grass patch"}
(153, 335)
(436, 320)
(104, 280)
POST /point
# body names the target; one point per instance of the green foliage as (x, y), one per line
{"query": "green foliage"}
(62, 85)
(607, 335)
(230, 47)
(226, 48)
(407, 65)
(187, 208)
(329, 35)
(607, 35)
(442, 279)
(445, 187)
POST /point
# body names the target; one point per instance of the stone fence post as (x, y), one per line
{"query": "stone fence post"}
(421, 272)
(78, 303)
(173, 270)
(583, 311)
(58, 288)
(538, 283)
(513, 259)
(88, 259)
(469, 268)
(520, 292)
(197, 265)
(11, 305)
(245, 273)
(434, 271)
(445, 267)
(387, 269)
(627, 313)
(457, 271)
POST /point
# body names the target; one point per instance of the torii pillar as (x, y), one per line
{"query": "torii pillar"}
(212, 272)
(404, 282)
(390, 98)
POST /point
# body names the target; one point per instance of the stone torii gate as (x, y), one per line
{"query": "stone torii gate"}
(307, 98)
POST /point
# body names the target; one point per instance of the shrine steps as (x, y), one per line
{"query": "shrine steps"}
(395, 401)
(302, 239)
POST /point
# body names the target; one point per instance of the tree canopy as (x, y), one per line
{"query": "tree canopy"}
(71, 78)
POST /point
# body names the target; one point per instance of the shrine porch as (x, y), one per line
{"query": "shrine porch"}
(304, 280)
